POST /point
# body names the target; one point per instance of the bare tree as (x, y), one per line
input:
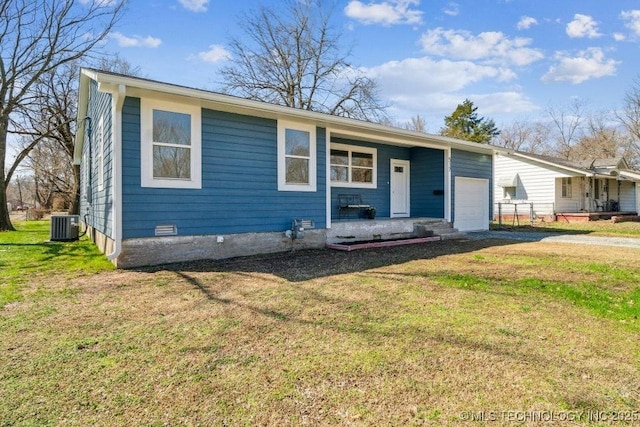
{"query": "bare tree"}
(630, 115)
(602, 140)
(417, 124)
(52, 125)
(526, 137)
(50, 128)
(294, 57)
(36, 37)
(567, 125)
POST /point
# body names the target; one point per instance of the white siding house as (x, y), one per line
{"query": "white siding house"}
(543, 186)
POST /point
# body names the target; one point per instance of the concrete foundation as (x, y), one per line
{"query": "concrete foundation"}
(163, 250)
(384, 229)
(103, 242)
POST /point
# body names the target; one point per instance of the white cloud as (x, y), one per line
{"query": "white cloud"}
(490, 46)
(582, 26)
(619, 37)
(135, 41)
(452, 9)
(588, 64)
(526, 22)
(632, 20)
(503, 103)
(427, 85)
(434, 88)
(216, 53)
(195, 5)
(390, 12)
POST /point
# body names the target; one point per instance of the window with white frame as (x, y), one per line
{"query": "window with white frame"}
(353, 166)
(171, 145)
(566, 188)
(296, 157)
(100, 153)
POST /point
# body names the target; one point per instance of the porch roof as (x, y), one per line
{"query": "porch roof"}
(577, 168)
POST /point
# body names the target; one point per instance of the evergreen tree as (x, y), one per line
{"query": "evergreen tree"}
(464, 123)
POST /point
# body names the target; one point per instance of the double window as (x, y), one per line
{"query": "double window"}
(171, 145)
(296, 157)
(353, 166)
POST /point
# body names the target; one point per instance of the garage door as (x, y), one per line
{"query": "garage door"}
(471, 208)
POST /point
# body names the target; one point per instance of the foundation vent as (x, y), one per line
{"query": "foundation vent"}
(166, 230)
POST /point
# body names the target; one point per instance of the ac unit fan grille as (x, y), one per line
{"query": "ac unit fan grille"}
(64, 228)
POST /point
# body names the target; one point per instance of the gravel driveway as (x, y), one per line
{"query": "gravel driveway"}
(535, 236)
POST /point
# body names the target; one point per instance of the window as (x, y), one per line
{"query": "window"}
(100, 154)
(509, 192)
(171, 145)
(353, 166)
(296, 157)
(566, 188)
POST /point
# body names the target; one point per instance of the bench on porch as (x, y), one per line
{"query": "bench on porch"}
(352, 204)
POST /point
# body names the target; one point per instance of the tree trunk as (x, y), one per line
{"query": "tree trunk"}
(5, 221)
(74, 209)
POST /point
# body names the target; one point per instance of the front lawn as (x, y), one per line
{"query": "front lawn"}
(26, 255)
(411, 335)
(594, 228)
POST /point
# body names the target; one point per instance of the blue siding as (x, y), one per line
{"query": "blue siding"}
(239, 181)
(97, 204)
(471, 165)
(427, 178)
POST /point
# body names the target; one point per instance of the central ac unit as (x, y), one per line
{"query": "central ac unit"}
(64, 228)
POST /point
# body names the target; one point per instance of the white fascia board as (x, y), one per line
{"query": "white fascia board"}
(139, 87)
(631, 175)
(83, 101)
(555, 165)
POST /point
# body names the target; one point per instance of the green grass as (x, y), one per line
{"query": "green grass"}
(596, 228)
(26, 254)
(410, 335)
(601, 301)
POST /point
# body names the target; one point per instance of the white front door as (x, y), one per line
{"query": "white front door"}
(399, 188)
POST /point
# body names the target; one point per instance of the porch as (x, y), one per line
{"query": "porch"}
(591, 216)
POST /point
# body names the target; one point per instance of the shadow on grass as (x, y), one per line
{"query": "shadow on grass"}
(312, 264)
(49, 251)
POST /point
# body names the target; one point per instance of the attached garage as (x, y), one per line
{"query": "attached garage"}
(471, 205)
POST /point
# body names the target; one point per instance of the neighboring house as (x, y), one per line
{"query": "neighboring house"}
(171, 173)
(552, 187)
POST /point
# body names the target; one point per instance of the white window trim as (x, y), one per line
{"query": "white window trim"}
(147, 106)
(313, 157)
(359, 149)
(100, 159)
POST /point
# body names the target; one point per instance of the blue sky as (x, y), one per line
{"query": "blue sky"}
(512, 58)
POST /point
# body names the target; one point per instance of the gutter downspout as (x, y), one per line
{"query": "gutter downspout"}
(117, 101)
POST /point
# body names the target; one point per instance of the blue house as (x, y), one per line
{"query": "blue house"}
(171, 173)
